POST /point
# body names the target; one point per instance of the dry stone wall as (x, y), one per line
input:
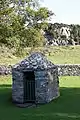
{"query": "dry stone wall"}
(69, 70)
(5, 70)
(63, 69)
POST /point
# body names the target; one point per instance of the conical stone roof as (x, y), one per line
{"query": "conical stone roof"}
(35, 61)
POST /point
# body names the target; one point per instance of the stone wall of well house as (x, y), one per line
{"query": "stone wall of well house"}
(44, 91)
(52, 90)
(45, 73)
(17, 85)
(41, 86)
(47, 85)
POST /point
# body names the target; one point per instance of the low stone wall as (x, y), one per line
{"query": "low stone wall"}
(69, 70)
(5, 70)
(63, 69)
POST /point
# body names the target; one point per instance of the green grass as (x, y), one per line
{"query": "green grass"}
(7, 57)
(66, 107)
(58, 55)
(65, 55)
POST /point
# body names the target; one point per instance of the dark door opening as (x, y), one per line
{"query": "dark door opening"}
(29, 86)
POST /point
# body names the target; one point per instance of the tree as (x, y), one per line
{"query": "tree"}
(33, 38)
(21, 22)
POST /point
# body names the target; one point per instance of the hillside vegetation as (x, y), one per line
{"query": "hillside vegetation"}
(58, 55)
(65, 55)
(62, 34)
(24, 25)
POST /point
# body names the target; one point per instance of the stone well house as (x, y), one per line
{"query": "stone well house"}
(35, 80)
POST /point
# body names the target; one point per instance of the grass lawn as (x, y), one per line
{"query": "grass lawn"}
(66, 107)
(65, 55)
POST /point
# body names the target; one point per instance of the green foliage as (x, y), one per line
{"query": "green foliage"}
(75, 33)
(13, 41)
(33, 37)
(19, 23)
(54, 31)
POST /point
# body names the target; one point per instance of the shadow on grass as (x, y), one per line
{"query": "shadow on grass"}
(5, 95)
(67, 106)
(5, 86)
